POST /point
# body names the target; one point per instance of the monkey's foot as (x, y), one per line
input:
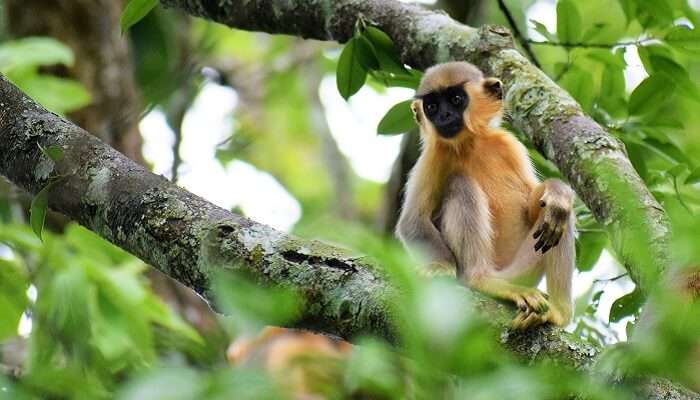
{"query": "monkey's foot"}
(530, 299)
(438, 269)
(557, 208)
(527, 319)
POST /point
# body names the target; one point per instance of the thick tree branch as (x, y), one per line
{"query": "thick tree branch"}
(190, 239)
(593, 161)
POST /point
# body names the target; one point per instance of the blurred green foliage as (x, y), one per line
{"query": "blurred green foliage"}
(98, 330)
(20, 62)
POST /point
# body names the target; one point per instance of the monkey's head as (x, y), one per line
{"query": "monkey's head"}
(454, 100)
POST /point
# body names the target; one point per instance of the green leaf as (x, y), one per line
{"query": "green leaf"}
(392, 80)
(13, 297)
(385, 51)
(55, 153)
(350, 75)
(589, 246)
(398, 119)
(38, 208)
(577, 82)
(655, 13)
(33, 52)
(677, 170)
(629, 7)
(650, 95)
(366, 54)
(542, 30)
(646, 52)
(683, 38)
(59, 95)
(694, 177)
(135, 11)
(607, 57)
(568, 22)
(676, 73)
(626, 306)
(593, 31)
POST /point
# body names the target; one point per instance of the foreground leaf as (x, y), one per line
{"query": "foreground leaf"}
(398, 119)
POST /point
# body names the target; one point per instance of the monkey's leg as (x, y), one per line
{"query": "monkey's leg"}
(465, 223)
(553, 229)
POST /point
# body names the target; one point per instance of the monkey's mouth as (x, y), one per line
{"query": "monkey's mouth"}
(450, 130)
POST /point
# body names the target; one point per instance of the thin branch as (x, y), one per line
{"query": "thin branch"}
(613, 279)
(639, 42)
(524, 41)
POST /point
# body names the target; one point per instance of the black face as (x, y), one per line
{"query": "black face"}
(445, 110)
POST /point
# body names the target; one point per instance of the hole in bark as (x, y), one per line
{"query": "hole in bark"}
(298, 258)
(225, 230)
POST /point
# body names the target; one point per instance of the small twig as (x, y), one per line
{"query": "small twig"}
(524, 42)
(639, 42)
(613, 279)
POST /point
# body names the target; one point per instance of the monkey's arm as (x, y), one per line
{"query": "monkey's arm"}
(416, 230)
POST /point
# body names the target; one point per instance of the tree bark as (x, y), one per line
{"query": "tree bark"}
(191, 239)
(594, 162)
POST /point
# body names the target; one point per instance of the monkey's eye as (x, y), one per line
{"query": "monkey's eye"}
(457, 100)
(431, 108)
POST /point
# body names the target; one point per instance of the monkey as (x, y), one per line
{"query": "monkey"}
(474, 205)
(304, 364)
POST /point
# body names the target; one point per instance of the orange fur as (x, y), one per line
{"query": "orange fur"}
(300, 362)
(479, 151)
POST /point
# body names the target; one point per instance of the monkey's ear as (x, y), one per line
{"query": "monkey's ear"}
(416, 108)
(494, 87)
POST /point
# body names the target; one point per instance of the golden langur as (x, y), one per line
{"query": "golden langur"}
(475, 206)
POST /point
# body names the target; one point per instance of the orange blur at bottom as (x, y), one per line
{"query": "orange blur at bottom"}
(304, 364)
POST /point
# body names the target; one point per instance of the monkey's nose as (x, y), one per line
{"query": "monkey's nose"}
(445, 117)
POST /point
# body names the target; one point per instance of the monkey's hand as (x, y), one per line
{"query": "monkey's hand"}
(556, 204)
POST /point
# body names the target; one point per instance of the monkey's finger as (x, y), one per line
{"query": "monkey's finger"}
(546, 240)
(530, 321)
(537, 302)
(551, 240)
(538, 232)
(521, 303)
(518, 322)
(555, 238)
